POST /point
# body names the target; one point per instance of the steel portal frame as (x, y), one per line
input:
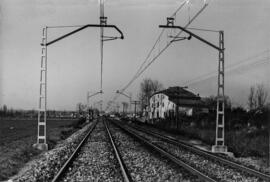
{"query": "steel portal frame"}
(220, 113)
(42, 107)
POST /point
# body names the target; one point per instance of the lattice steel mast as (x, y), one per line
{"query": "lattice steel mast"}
(103, 21)
(220, 119)
(42, 108)
(220, 113)
(42, 105)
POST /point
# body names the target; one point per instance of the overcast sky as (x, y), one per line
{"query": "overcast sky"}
(74, 63)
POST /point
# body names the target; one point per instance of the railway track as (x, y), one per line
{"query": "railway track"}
(209, 155)
(125, 173)
(207, 165)
(166, 154)
(145, 164)
(64, 168)
(95, 159)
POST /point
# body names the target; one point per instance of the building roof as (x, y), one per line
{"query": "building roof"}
(182, 97)
(178, 92)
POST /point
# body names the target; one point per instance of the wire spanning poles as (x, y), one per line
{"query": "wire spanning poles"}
(220, 116)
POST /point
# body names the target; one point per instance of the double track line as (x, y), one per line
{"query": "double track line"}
(166, 154)
(206, 154)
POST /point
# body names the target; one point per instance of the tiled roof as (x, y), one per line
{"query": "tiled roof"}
(182, 97)
(178, 92)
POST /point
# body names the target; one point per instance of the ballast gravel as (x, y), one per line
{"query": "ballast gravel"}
(145, 165)
(212, 169)
(48, 164)
(248, 162)
(96, 160)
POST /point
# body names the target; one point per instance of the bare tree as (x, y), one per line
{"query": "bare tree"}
(257, 97)
(148, 87)
(251, 98)
(261, 96)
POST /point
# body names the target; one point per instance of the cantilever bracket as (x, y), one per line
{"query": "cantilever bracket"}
(100, 92)
(84, 27)
(192, 35)
(175, 38)
(108, 38)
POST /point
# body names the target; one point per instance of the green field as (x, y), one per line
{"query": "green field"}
(17, 137)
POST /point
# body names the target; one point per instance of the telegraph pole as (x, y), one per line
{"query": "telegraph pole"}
(135, 103)
(103, 21)
(123, 107)
(130, 98)
(88, 103)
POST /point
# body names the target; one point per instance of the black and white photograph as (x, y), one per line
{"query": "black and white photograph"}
(134, 90)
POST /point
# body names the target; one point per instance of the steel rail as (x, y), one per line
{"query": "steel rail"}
(124, 170)
(207, 154)
(61, 172)
(169, 156)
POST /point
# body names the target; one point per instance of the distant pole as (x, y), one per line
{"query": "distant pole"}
(88, 108)
(100, 105)
(135, 103)
(123, 108)
(135, 110)
(130, 98)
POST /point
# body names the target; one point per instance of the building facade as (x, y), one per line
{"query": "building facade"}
(168, 103)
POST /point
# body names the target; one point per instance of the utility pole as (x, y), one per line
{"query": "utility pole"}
(219, 146)
(118, 107)
(135, 103)
(220, 118)
(124, 104)
(88, 103)
(103, 21)
(130, 98)
(101, 101)
(42, 107)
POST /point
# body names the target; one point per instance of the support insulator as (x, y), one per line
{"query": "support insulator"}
(103, 20)
(170, 21)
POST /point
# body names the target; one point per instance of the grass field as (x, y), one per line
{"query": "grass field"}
(17, 137)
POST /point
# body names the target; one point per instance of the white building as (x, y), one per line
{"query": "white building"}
(164, 104)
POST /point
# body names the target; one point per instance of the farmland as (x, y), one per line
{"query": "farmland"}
(17, 137)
